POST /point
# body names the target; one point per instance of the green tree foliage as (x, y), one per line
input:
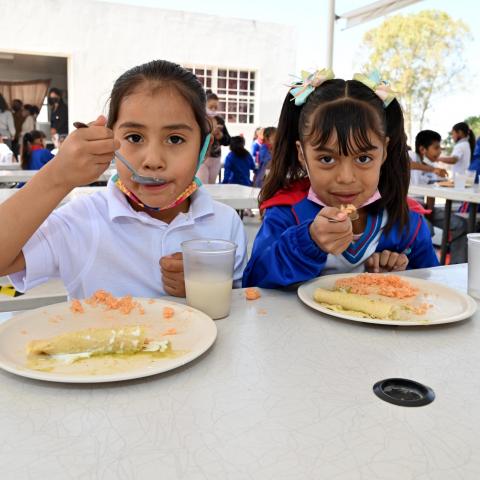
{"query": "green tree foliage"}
(474, 123)
(421, 55)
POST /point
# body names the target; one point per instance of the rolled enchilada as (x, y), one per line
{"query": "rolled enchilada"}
(356, 303)
(96, 341)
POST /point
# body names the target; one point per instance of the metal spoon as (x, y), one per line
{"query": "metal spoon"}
(141, 179)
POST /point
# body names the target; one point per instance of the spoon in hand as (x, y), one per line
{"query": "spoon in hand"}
(136, 177)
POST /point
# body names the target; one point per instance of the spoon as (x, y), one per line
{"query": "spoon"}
(141, 179)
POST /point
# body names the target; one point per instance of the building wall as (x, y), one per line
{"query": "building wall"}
(102, 40)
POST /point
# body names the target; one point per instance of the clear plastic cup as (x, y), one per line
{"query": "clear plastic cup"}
(460, 180)
(470, 178)
(474, 264)
(208, 266)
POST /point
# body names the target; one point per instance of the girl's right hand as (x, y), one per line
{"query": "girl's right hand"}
(332, 237)
(85, 154)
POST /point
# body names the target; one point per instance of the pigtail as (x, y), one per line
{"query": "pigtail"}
(471, 141)
(395, 172)
(26, 150)
(285, 167)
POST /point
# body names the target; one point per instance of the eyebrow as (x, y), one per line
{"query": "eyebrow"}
(175, 126)
(333, 152)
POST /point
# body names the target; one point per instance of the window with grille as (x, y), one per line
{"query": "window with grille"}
(235, 89)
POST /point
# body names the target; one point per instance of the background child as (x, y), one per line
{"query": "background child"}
(257, 143)
(238, 163)
(34, 153)
(265, 155)
(422, 161)
(6, 155)
(462, 152)
(126, 238)
(348, 138)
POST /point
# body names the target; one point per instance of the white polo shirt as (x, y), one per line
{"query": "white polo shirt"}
(100, 241)
(461, 151)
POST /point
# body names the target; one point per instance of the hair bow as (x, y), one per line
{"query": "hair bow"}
(380, 87)
(308, 83)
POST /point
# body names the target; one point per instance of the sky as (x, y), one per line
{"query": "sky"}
(310, 19)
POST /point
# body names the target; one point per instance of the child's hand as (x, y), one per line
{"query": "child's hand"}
(386, 261)
(332, 237)
(441, 172)
(85, 154)
(172, 274)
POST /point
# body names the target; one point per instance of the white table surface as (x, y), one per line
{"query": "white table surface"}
(10, 166)
(237, 196)
(285, 393)
(8, 176)
(470, 194)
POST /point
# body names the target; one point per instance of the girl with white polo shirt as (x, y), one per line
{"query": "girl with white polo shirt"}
(461, 155)
(126, 238)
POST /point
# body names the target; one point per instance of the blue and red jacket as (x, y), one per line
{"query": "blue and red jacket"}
(285, 254)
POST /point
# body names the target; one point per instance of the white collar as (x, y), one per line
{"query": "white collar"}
(201, 205)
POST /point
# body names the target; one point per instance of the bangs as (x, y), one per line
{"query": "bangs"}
(350, 121)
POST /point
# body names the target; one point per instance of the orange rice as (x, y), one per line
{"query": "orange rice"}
(252, 294)
(386, 285)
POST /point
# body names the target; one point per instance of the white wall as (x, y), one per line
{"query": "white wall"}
(102, 40)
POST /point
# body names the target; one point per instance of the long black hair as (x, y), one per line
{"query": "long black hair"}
(3, 104)
(467, 131)
(27, 143)
(237, 146)
(351, 110)
(165, 73)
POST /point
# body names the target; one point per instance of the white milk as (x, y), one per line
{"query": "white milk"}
(210, 295)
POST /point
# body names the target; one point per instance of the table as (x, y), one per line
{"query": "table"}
(471, 195)
(238, 197)
(285, 393)
(10, 166)
(9, 176)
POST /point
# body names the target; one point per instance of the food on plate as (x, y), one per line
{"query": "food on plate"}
(351, 302)
(124, 304)
(371, 295)
(90, 342)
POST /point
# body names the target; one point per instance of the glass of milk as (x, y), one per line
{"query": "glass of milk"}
(208, 266)
(474, 264)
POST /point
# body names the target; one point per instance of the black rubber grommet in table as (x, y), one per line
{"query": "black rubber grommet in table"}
(404, 392)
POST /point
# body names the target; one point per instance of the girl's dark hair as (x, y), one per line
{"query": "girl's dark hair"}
(268, 132)
(3, 104)
(237, 146)
(32, 109)
(211, 95)
(350, 110)
(164, 73)
(27, 142)
(466, 130)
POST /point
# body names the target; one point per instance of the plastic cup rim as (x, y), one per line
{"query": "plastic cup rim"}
(229, 246)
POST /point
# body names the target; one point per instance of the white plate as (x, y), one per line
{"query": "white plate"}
(449, 305)
(196, 332)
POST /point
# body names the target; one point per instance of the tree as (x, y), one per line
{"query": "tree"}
(421, 55)
(474, 123)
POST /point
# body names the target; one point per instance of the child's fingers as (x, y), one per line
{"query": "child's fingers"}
(100, 121)
(172, 263)
(94, 133)
(384, 256)
(374, 263)
(392, 260)
(402, 262)
(333, 212)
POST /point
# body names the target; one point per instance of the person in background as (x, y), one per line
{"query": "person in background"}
(59, 139)
(6, 155)
(428, 149)
(34, 153)
(58, 113)
(238, 163)
(257, 143)
(462, 151)
(17, 111)
(422, 161)
(210, 168)
(7, 125)
(29, 124)
(265, 155)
